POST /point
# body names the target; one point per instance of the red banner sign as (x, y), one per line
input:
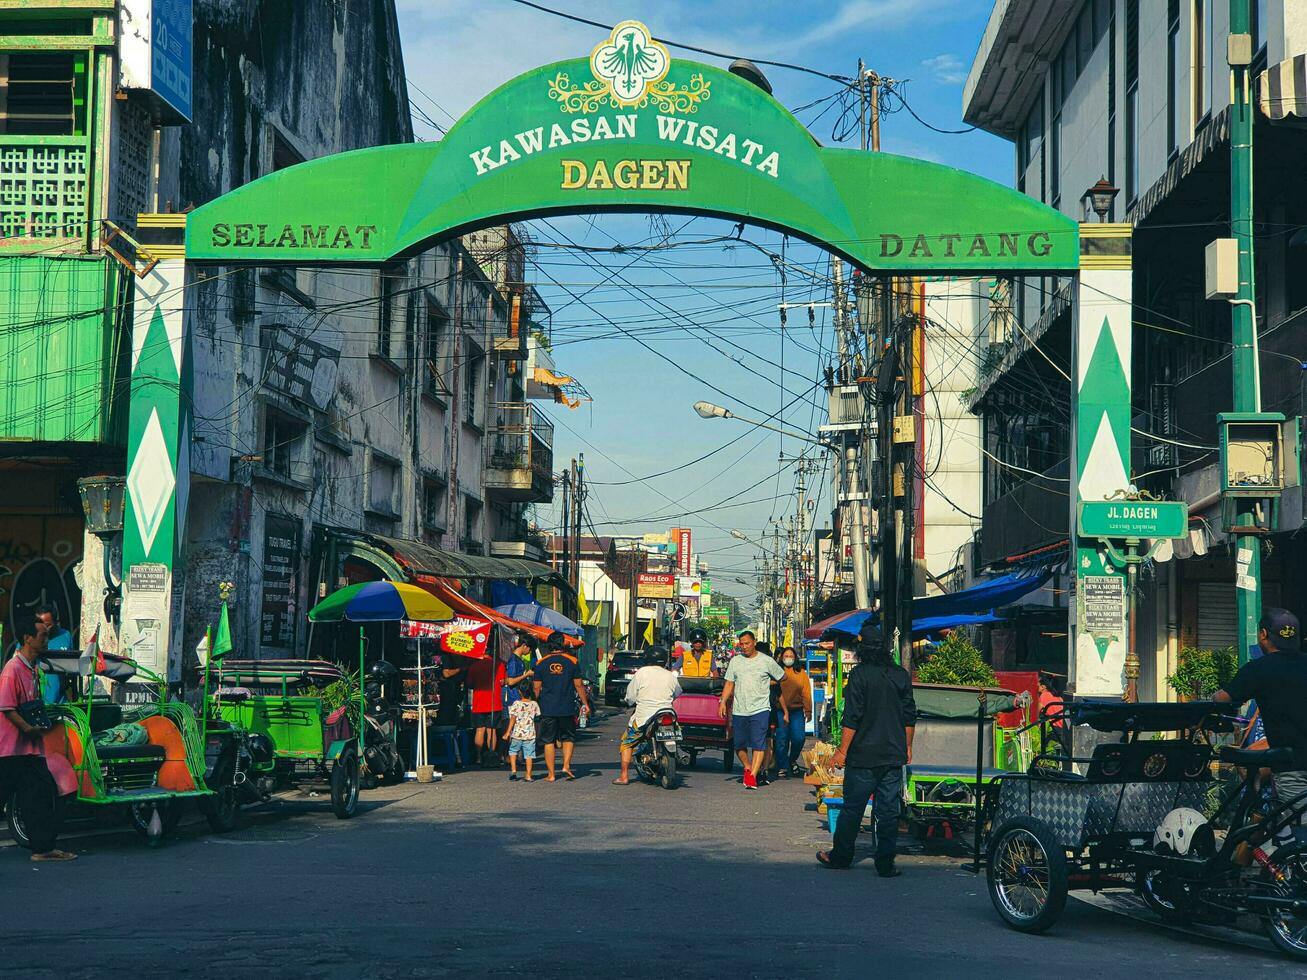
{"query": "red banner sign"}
(463, 636)
(683, 551)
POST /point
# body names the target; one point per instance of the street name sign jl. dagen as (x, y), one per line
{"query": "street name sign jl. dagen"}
(1133, 519)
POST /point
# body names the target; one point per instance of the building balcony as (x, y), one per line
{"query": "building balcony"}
(45, 194)
(520, 541)
(1030, 516)
(519, 454)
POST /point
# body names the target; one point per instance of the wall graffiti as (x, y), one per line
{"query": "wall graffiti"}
(38, 554)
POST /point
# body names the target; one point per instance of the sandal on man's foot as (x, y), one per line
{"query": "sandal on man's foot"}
(824, 859)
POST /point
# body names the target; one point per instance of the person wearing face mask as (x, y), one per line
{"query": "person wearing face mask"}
(796, 702)
(516, 674)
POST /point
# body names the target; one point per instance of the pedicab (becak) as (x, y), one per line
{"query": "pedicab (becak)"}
(272, 723)
(1141, 817)
(146, 759)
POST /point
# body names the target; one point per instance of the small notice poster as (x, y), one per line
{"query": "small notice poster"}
(1104, 604)
(281, 547)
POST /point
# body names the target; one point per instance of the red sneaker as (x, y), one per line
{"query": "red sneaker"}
(750, 780)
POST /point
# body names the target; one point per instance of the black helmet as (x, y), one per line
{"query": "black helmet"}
(556, 641)
(698, 636)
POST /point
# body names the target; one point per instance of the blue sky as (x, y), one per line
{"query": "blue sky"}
(708, 309)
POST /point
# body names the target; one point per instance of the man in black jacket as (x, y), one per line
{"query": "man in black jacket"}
(876, 743)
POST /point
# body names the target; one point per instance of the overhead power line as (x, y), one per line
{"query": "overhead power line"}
(686, 47)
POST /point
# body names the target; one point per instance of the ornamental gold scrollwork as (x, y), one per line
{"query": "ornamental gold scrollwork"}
(585, 98)
(591, 96)
(671, 99)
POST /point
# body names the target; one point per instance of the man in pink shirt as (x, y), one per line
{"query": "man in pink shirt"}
(23, 772)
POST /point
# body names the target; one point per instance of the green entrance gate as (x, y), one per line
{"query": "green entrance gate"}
(631, 129)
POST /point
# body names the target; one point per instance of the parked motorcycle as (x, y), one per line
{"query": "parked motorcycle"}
(656, 754)
(381, 757)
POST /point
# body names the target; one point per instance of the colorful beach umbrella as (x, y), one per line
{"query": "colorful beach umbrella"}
(372, 602)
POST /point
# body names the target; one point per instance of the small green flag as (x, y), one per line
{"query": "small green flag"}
(222, 641)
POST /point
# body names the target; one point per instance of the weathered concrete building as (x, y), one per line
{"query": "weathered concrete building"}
(325, 402)
(1138, 92)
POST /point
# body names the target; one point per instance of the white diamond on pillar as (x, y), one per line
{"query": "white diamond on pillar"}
(1104, 472)
(151, 481)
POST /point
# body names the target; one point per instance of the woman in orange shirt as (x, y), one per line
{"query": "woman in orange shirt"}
(796, 700)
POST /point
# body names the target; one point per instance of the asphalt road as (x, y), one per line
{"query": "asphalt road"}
(479, 877)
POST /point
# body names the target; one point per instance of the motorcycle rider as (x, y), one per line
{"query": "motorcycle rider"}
(698, 659)
(652, 689)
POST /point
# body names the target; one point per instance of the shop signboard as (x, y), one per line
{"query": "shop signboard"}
(689, 588)
(683, 555)
(281, 558)
(651, 585)
(719, 614)
(154, 48)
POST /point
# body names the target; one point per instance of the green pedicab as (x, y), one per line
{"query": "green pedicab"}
(268, 723)
(146, 759)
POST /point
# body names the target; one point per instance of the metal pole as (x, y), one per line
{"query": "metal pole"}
(1132, 652)
(875, 111)
(1247, 372)
(858, 532)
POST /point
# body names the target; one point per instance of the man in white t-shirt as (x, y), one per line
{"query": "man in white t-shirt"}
(652, 689)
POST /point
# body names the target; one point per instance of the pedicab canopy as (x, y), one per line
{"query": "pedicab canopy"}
(380, 602)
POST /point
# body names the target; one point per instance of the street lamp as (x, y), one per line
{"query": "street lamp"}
(1099, 199)
(708, 410)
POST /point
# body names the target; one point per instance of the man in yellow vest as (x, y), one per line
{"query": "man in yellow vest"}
(697, 661)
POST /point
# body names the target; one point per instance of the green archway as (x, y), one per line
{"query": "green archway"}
(627, 129)
(687, 138)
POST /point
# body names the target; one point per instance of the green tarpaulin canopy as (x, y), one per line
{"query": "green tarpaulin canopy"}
(946, 701)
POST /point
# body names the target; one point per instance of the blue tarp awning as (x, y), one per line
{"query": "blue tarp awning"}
(932, 613)
(538, 615)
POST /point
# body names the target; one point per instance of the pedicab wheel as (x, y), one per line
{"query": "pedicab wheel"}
(18, 817)
(17, 824)
(670, 779)
(728, 761)
(222, 809)
(1287, 929)
(1027, 874)
(143, 820)
(345, 784)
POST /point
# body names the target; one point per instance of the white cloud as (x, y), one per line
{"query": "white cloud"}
(946, 68)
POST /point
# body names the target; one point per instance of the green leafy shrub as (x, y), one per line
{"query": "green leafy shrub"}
(344, 691)
(1201, 673)
(956, 661)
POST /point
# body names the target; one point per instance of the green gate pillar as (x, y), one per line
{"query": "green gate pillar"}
(1100, 454)
(158, 453)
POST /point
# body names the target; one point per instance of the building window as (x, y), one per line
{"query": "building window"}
(283, 154)
(43, 94)
(472, 363)
(1110, 29)
(437, 335)
(1259, 26)
(389, 285)
(1131, 100)
(1202, 60)
(1055, 158)
(1085, 39)
(283, 438)
(1174, 92)
(435, 494)
(383, 485)
(472, 525)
